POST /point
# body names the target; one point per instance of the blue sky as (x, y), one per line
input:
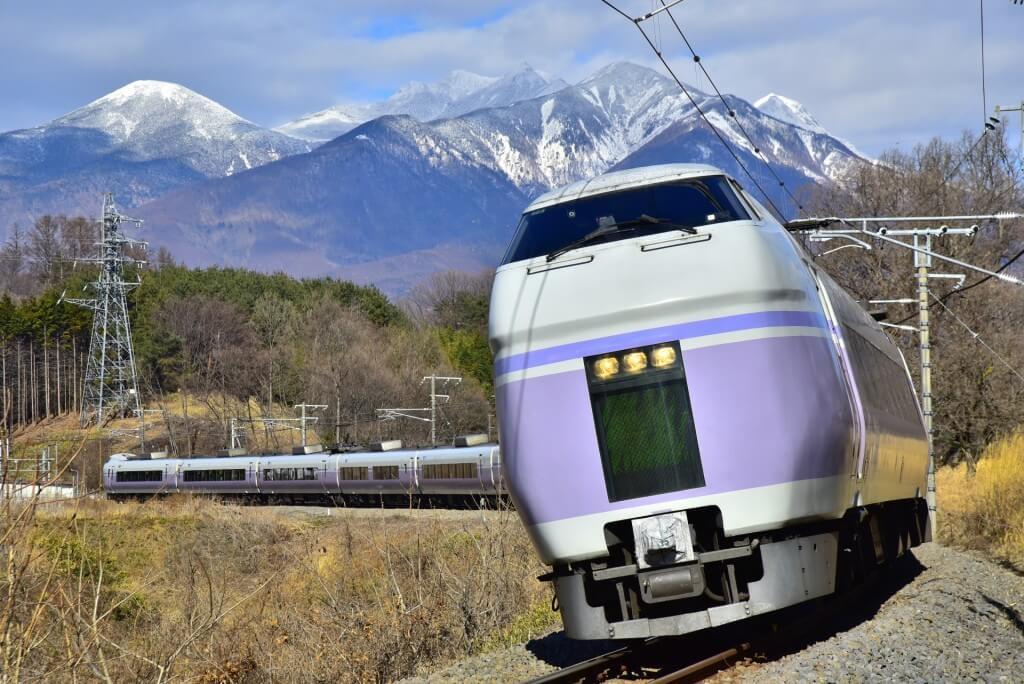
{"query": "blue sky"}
(879, 73)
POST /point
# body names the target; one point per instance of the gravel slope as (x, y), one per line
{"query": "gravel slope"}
(961, 618)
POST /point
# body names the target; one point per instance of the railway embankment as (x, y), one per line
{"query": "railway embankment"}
(193, 590)
(949, 616)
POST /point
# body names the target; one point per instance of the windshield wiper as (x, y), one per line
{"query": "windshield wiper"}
(620, 227)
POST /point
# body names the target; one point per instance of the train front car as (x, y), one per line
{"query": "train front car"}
(683, 431)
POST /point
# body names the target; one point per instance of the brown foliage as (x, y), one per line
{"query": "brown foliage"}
(191, 590)
(977, 397)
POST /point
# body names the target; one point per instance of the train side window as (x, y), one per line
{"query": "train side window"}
(883, 382)
(385, 472)
(354, 473)
(450, 471)
(215, 475)
(289, 474)
(140, 476)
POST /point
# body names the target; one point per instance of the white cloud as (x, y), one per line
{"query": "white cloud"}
(872, 71)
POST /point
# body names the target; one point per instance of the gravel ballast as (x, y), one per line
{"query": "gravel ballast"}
(958, 617)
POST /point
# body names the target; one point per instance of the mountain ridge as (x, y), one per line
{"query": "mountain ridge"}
(395, 197)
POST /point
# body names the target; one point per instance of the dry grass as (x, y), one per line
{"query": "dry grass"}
(985, 509)
(187, 589)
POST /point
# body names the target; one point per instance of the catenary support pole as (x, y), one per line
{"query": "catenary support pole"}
(923, 262)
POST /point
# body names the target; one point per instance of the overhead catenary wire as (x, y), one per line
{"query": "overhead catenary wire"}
(758, 152)
(984, 97)
(977, 337)
(697, 107)
(976, 283)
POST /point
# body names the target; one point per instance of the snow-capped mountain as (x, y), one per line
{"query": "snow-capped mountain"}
(158, 120)
(463, 180)
(398, 196)
(141, 140)
(456, 94)
(790, 111)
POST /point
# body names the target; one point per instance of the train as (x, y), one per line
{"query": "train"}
(698, 424)
(457, 476)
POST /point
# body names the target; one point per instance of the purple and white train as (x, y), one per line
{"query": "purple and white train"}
(698, 425)
(448, 476)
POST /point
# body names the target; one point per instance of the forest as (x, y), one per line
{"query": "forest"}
(210, 343)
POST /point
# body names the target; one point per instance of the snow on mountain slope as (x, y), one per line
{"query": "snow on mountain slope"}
(489, 144)
(463, 180)
(792, 112)
(525, 84)
(158, 120)
(141, 141)
(458, 93)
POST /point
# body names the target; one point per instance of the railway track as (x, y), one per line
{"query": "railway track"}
(697, 656)
(651, 660)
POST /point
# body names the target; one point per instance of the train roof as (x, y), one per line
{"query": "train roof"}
(621, 180)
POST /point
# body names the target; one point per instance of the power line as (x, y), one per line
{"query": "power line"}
(984, 98)
(977, 337)
(731, 112)
(637, 22)
(976, 283)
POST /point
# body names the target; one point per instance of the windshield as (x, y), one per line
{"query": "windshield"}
(683, 204)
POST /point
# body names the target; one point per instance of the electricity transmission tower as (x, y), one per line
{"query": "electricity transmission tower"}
(111, 388)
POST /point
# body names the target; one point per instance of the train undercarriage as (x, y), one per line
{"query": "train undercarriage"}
(445, 501)
(629, 595)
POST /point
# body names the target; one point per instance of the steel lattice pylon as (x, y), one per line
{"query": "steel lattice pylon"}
(111, 388)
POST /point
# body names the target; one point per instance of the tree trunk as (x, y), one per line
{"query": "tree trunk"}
(46, 372)
(58, 378)
(21, 390)
(74, 372)
(32, 380)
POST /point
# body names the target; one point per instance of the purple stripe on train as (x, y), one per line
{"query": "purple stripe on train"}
(640, 338)
(767, 411)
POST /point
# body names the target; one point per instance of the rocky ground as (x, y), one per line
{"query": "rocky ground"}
(950, 617)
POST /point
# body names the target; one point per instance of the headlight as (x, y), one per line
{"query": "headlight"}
(663, 356)
(630, 365)
(634, 361)
(606, 367)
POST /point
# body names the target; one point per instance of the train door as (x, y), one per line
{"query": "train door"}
(825, 286)
(483, 470)
(490, 484)
(254, 477)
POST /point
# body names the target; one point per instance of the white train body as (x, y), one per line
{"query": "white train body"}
(780, 407)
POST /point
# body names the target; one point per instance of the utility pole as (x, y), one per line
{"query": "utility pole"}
(923, 262)
(1020, 143)
(235, 441)
(303, 419)
(111, 388)
(923, 255)
(394, 413)
(434, 396)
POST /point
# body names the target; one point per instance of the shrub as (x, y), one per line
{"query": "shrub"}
(984, 509)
